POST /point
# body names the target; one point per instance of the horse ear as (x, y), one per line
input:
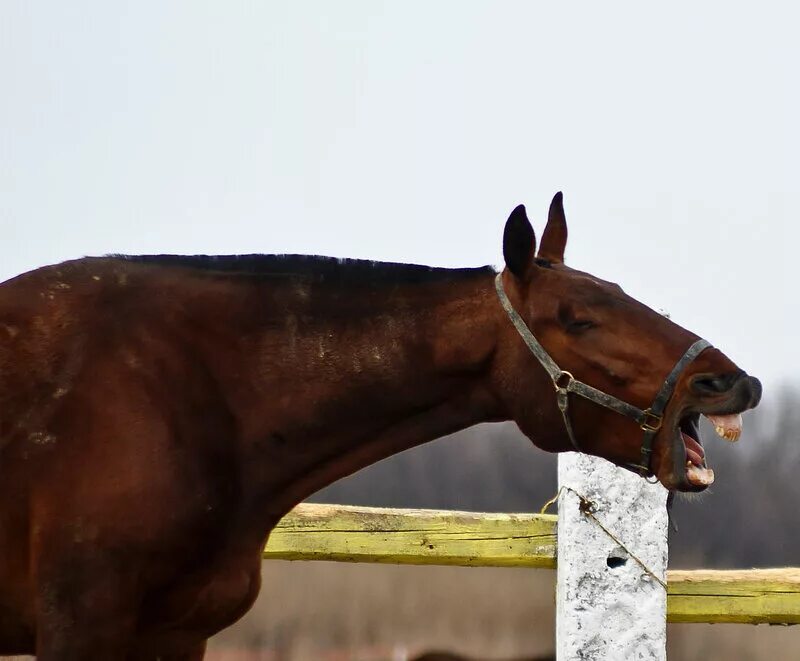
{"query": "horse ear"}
(554, 238)
(519, 243)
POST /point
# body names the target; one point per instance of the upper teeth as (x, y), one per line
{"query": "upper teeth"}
(728, 427)
(731, 435)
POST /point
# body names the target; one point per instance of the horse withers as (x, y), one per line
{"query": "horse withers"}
(160, 414)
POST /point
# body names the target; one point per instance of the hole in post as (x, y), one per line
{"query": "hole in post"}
(617, 558)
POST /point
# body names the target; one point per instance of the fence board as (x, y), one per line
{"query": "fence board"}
(420, 537)
(753, 596)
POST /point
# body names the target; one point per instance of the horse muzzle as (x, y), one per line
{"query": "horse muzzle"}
(721, 394)
(721, 398)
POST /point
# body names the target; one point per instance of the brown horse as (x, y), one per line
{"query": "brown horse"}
(159, 415)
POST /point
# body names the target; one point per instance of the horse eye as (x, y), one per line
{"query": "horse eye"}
(571, 322)
(580, 325)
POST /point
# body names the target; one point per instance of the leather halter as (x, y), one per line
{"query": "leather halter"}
(649, 420)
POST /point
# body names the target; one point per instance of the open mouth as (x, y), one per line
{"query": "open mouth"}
(729, 427)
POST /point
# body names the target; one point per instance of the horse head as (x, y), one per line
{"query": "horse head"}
(621, 381)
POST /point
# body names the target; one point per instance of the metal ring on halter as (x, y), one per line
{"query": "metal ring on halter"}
(558, 379)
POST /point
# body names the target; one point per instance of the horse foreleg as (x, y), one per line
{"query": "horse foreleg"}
(196, 653)
(86, 609)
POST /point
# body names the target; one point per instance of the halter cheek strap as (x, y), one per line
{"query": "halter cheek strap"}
(649, 420)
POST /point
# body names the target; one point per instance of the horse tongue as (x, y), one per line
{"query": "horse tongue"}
(696, 471)
(694, 451)
(728, 427)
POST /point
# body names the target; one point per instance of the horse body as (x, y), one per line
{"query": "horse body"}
(284, 386)
(159, 415)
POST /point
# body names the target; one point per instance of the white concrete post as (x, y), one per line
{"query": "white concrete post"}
(607, 606)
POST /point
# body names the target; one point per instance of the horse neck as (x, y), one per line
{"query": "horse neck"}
(349, 380)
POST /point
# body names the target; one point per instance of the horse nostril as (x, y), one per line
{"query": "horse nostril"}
(754, 386)
(714, 384)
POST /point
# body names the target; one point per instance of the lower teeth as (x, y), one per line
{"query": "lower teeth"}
(700, 476)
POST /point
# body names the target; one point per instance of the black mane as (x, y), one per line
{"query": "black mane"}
(312, 267)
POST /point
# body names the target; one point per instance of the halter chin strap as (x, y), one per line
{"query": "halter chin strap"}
(649, 420)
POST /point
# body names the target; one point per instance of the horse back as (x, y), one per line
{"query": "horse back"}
(105, 407)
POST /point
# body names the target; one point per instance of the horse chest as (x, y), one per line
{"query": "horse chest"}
(207, 604)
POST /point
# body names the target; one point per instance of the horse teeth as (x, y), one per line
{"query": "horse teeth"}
(728, 427)
(700, 476)
(732, 435)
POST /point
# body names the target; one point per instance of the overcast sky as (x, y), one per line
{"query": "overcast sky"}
(407, 131)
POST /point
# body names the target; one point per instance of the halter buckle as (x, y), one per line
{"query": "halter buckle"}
(652, 422)
(558, 380)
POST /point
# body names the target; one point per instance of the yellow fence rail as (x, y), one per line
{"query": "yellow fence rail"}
(430, 537)
(415, 537)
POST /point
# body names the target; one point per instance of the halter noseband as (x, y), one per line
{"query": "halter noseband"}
(649, 420)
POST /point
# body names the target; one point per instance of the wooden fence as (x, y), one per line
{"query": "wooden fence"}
(614, 594)
(468, 539)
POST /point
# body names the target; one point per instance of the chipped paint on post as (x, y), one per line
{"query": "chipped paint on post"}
(607, 606)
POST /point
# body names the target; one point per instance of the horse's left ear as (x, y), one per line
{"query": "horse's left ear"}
(519, 244)
(554, 238)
